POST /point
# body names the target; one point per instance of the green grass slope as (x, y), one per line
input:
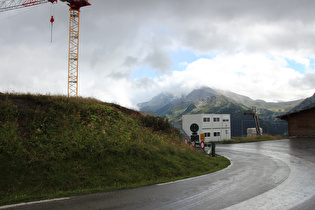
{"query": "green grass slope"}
(52, 146)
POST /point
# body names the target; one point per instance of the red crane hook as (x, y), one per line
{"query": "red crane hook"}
(52, 20)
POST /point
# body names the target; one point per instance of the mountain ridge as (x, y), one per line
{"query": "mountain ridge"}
(208, 100)
(308, 102)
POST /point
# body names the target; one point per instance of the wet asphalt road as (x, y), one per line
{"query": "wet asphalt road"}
(263, 175)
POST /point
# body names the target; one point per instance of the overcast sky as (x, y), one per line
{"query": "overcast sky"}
(131, 50)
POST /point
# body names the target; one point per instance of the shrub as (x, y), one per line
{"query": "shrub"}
(156, 123)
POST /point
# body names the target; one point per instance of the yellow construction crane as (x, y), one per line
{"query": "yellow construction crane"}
(255, 116)
(74, 22)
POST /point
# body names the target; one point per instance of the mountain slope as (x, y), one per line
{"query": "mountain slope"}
(207, 100)
(308, 102)
(201, 93)
(156, 102)
(223, 105)
(273, 106)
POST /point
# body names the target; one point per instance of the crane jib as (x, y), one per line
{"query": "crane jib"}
(17, 4)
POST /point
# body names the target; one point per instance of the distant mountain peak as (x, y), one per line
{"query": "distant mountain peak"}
(166, 100)
(156, 102)
(201, 93)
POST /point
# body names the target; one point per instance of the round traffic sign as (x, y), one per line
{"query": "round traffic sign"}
(194, 127)
(193, 144)
(202, 145)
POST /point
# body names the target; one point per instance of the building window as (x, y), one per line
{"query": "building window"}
(206, 119)
(216, 134)
(207, 134)
(225, 120)
(216, 119)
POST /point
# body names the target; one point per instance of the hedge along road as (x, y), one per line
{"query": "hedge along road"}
(263, 175)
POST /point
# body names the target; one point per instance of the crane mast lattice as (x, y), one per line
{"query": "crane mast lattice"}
(73, 57)
(74, 22)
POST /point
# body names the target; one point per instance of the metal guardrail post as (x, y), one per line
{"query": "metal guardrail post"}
(212, 149)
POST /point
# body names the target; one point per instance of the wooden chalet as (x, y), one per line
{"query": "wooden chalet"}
(300, 123)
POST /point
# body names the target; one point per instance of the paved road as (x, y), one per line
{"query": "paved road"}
(263, 175)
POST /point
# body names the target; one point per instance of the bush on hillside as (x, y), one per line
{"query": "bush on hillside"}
(156, 123)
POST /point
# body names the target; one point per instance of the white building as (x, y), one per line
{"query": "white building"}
(216, 127)
(253, 131)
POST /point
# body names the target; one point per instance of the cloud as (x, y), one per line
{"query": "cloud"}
(130, 61)
(305, 81)
(159, 60)
(246, 45)
(254, 75)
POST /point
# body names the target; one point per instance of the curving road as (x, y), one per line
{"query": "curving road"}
(263, 175)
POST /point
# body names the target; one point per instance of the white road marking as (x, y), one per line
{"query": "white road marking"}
(33, 202)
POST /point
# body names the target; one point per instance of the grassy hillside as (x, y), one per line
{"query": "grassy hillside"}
(53, 146)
